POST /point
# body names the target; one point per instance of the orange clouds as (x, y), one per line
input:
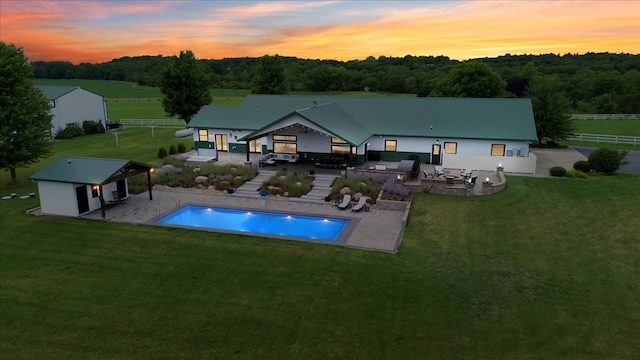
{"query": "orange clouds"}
(95, 31)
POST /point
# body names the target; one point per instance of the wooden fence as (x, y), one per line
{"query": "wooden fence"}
(601, 138)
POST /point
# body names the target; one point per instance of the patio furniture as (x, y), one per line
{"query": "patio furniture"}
(361, 205)
(439, 171)
(116, 199)
(346, 202)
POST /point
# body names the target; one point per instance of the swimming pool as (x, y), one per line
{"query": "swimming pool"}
(257, 222)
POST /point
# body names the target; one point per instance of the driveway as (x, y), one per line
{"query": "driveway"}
(632, 160)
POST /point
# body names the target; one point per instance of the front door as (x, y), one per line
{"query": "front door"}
(222, 142)
(436, 158)
(82, 198)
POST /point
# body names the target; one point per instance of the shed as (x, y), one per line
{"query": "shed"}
(73, 186)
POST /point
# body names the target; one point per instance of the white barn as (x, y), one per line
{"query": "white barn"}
(73, 105)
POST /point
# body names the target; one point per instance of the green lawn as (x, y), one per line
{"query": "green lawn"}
(626, 127)
(546, 269)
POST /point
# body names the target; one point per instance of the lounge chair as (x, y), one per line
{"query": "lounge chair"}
(346, 201)
(361, 205)
(439, 171)
(116, 198)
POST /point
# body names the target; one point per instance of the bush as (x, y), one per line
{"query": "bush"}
(557, 171)
(92, 127)
(182, 148)
(71, 131)
(172, 150)
(582, 166)
(576, 174)
(606, 161)
(162, 153)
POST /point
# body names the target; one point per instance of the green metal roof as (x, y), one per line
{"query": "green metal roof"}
(360, 117)
(84, 170)
(52, 92)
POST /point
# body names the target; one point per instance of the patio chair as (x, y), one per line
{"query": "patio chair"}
(116, 198)
(346, 202)
(361, 205)
(439, 171)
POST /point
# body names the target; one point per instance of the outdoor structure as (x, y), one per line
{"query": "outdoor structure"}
(73, 186)
(459, 133)
(73, 105)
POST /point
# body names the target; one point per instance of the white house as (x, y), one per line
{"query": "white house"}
(452, 132)
(73, 186)
(73, 105)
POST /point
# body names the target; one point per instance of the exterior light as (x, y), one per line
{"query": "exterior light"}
(487, 179)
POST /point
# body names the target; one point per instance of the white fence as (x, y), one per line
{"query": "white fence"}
(154, 122)
(604, 116)
(601, 138)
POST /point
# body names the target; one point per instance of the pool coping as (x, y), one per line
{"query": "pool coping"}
(345, 234)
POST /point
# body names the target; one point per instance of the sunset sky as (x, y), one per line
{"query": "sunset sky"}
(99, 31)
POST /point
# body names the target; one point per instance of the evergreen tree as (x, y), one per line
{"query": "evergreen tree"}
(25, 121)
(271, 78)
(185, 87)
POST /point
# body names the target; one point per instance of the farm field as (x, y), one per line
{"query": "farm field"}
(546, 269)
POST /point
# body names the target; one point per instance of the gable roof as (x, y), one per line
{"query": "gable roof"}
(360, 117)
(52, 92)
(85, 170)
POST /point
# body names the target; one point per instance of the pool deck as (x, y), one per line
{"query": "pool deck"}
(378, 230)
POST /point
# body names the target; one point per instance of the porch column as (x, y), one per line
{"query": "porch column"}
(247, 150)
(101, 197)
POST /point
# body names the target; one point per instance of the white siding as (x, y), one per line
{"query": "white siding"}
(58, 198)
(77, 106)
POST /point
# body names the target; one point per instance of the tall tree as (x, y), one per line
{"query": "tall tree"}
(550, 110)
(271, 77)
(472, 79)
(25, 121)
(185, 87)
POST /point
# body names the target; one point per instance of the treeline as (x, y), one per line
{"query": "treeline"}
(593, 82)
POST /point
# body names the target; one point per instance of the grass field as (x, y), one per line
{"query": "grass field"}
(627, 127)
(546, 269)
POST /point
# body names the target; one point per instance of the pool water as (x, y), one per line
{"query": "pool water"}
(257, 222)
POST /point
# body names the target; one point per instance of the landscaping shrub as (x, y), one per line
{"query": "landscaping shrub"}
(607, 161)
(368, 185)
(293, 185)
(576, 174)
(71, 131)
(162, 153)
(172, 150)
(92, 127)
(582, 165)
(182, 148)
(558, 171)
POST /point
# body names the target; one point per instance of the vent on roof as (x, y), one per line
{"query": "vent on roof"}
(315, 103)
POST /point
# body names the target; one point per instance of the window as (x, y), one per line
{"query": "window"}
(390, 145)
(292, 138)
(497, 149)
(222, 142)
(285, 148)
(202, 135)
(255, 146)
(335, 140)
(450, 148)
(340, 149)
